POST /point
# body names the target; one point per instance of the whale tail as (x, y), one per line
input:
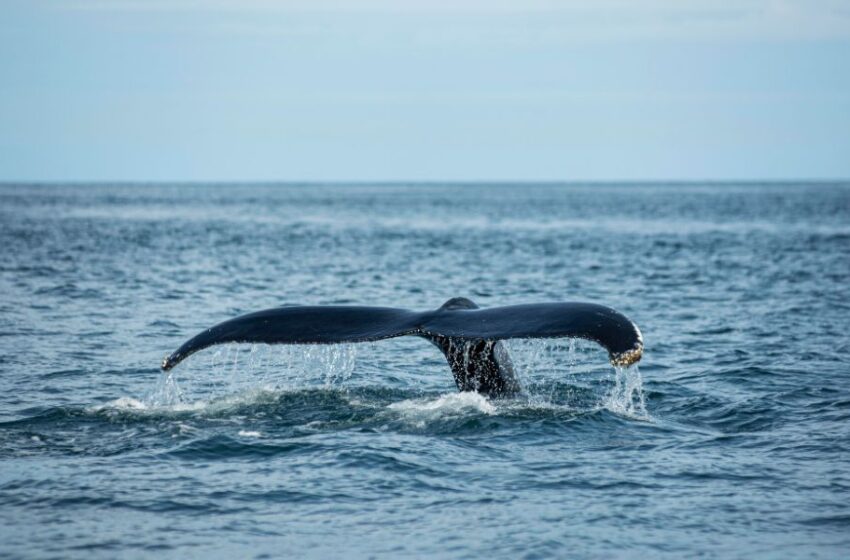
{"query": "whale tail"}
(468, 336)
(479, 365)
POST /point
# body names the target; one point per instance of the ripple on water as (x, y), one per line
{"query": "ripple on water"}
(730, 441)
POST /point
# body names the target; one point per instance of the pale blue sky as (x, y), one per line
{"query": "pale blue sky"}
(424, 90)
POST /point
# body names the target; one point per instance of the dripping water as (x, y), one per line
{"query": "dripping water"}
(566, 374)
(234, 369)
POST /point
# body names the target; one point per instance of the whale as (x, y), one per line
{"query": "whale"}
(470, 337)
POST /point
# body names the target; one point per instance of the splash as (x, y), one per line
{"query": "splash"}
(425, 411)
(122, 403)
(235, 369)
(250, 433)
(449, 404)
(626, 397)
(170, 406)
(166, 393)
(559, 374)
(236, 376)
(567, 373)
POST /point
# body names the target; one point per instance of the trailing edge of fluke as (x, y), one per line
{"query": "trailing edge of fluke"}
(468, 336)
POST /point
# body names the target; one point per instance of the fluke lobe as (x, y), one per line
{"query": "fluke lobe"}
(468, 336)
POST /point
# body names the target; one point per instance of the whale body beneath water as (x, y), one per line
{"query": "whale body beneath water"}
(470, 337)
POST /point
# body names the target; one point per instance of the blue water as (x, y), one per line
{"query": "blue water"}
(730, 440)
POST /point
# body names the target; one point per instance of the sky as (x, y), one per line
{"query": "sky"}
(424, 90)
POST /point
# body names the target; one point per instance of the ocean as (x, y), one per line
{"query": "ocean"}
(730, 439)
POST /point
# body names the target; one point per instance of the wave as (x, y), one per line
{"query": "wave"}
(267, 395)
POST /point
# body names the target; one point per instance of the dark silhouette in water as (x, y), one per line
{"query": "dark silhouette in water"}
(468, 336)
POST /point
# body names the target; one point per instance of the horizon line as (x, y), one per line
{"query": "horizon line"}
(413, 182)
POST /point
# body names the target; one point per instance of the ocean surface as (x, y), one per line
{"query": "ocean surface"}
(730, 439)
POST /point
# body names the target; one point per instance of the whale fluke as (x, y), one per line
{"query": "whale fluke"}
(468, 336)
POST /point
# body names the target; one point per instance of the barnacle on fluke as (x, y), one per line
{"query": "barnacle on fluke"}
(628, 357)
